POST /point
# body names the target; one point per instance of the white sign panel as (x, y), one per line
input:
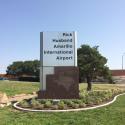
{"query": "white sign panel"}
(58, 49)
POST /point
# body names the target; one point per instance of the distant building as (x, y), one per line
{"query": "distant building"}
(9, 77)
(118, 75)
(2, 75)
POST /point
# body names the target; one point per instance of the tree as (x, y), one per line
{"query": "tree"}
(27, 67)
(91, 64)
(15, 68)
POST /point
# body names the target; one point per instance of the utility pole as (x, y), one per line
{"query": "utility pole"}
(123, 61)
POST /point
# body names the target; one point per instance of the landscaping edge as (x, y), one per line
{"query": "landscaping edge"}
(67, 110)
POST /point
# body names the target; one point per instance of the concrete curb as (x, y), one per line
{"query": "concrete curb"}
(68, 110)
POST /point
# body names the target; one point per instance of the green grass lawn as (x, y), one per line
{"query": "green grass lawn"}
(102, 86)
(16, 87)
(113, 114)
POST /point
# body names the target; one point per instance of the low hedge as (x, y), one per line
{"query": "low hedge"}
(29, 79)
(86, 99)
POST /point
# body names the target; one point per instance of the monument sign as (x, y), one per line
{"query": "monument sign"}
(58, 70)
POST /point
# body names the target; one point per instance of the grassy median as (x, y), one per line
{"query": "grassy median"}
(110, 115)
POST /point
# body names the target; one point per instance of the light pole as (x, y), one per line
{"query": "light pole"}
(123, 61)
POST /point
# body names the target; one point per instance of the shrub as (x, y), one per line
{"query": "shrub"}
(75, 105)
(24, 104)
(98, 100)
(78, 101)
(61, 105)
(69, 103)
(48, 104)
(40, 106)
(35, 103)
(42, 101)
(54, 107)
(90, 100)
(82, 105)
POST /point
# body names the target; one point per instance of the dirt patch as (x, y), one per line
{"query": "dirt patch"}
(20, 97)
(4, 101)
(121, 85)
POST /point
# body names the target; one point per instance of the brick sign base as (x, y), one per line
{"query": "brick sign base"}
(63, 84)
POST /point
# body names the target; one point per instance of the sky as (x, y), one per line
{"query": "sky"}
(97, 22)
